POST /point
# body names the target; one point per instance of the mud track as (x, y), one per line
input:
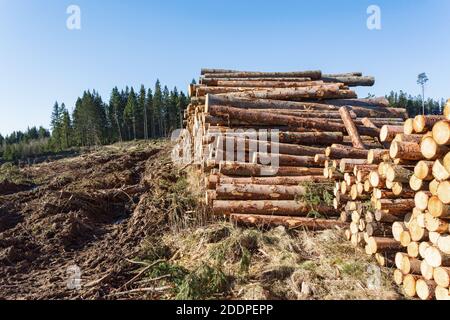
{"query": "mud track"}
(91, 212)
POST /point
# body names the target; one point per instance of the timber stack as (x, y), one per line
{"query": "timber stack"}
(262, 139)
(399, 204)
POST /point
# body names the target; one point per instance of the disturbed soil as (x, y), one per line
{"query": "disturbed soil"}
(83, 217)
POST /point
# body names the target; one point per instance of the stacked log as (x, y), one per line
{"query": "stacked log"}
(261, 138)
(411, 193)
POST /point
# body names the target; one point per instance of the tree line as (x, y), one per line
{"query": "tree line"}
(413, 104)
(128, 115)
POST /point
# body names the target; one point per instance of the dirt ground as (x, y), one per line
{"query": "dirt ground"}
(89, 212)
(122, 222)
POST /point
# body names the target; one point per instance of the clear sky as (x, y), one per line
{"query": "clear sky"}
(135, 41)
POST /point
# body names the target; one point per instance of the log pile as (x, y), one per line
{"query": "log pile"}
(398, 204)
(260, 139)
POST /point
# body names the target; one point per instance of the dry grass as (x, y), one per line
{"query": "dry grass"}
(223, 261)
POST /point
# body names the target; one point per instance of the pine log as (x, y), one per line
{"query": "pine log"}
(320, 92)
(251, 116)
(423, 124)
(421, 199)
(433, 224)
(352, 131)
(289, 222)
(431, 150)
(375, 156)
(409, 285)
(447, 161)
(283, 208)
(426, 270)
(439, 171)
(395, 207)
(413, 250)
(442, 293)
(423, 170)
(408, 127)
(441, 132)
(406, 151)
(406, 264)
(425, 289)
(398, 277)
(284, 160)
(289, 180)
(258, 192)
(442, 276)
(348, 165)
(396, 173)
(244, 83)
(388, 132)
(435, 258)
(433, 187)
(351, 81)
(437, 208)
(314, 75)
(255, 170)
(226, 81)
(377, 244)
(443, 192)
(341, 152)
(417, 184)
(415, 138)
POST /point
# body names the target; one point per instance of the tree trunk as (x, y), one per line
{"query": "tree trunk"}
(289, 222)
(263, 207)
(273, 180)
(352, 131)
(340, 152)
(258, 192)
(388, 133)
(255, 170)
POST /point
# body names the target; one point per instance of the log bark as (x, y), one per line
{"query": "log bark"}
(352, 81)
(352, 131)
(388, 133)
(289, 222)
(406, 151)
(314, 75)
(223, 81)
(258, 192)
(320, 92)
(256, 170)
(244, 83)
(375, 156)
(424, 124)
(290, 180)
(396, 206)
(250, 116)
(431, 150)
(263, 207)
(397, 173)
(377, 244)
(341, 152)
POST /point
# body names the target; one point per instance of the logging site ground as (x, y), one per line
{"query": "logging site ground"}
(122, 222)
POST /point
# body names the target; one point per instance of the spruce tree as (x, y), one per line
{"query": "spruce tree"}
(157, 109)
(129, 113)
(150, 114)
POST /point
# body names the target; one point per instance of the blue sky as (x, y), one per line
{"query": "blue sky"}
(135, 41)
